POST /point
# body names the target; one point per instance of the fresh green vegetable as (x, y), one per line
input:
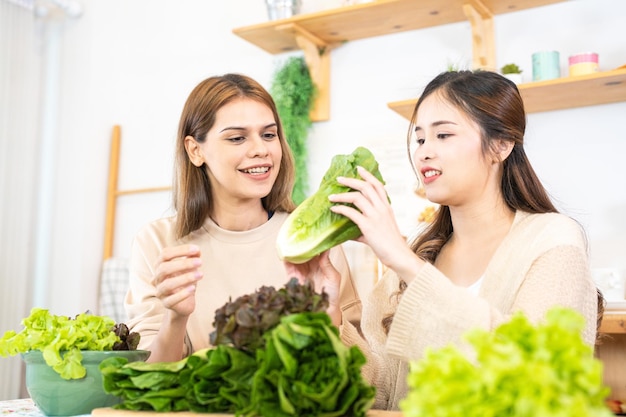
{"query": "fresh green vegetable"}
(211, 380)
(61, 338)
(301, 369)
(312, 228)
(520, 370)
(243, 322)
(306, 370)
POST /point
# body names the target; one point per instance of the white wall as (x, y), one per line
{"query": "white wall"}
(133, 63)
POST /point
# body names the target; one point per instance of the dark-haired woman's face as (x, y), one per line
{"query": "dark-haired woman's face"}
(448, 156)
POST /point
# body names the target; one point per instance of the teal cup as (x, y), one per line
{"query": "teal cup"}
(546, 65)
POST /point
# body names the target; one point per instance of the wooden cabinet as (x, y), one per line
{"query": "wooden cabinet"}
(613, 323)
(611, 352)
(318, 33)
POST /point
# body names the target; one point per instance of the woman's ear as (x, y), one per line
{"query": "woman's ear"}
(194, 152)
(502, 149)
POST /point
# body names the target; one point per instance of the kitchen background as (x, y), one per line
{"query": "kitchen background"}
(70, 70)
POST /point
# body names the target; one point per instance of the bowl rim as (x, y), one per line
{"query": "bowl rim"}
(91, 354)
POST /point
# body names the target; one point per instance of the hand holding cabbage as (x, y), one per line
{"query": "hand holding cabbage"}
(312, 227)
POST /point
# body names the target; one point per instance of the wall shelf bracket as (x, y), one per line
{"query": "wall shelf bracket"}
(483, 45)
(317, 57)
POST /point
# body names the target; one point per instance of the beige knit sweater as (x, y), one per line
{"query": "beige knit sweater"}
(541, 263)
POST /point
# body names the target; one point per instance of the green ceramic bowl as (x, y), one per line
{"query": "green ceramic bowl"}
(55, 396)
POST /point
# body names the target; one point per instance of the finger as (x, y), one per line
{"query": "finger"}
(179, 296)
(364, 188)
(176, 267)
(173, 252)
(350, 212)
(374, 182)
(172, 285)
(292, 271)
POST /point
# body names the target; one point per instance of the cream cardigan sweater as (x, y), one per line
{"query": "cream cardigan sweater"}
(234, 264)
(541, 263)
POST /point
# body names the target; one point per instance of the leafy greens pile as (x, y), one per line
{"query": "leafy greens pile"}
(288, 364)
(520, 370)
(312, 228)
(61, 339)
(242, 322)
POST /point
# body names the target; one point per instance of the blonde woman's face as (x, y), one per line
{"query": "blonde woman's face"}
(448, 156)
(242, 151)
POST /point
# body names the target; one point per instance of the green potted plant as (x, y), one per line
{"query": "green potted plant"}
(513, 72)
(294, 92)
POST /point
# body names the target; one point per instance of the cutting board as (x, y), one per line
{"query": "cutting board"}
(110, 412)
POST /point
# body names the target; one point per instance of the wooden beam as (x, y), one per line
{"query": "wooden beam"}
(109, 223)
(317, 58)
(483, 45)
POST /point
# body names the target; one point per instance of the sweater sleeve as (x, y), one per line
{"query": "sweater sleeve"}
(444, 312)
(349, 299)
(143, 308)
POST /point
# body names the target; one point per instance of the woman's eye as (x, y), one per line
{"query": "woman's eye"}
(420, 141)
(442, 135)
(236, 139)
(269, 135)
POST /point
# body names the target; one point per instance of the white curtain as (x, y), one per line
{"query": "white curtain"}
(30, 62)
(20, 75)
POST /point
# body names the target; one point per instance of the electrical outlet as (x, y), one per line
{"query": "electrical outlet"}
(611, 283)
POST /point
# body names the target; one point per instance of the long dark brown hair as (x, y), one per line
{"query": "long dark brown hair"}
(192, 188)
(494, 103)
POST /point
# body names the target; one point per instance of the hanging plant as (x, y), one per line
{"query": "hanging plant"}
(293, 91)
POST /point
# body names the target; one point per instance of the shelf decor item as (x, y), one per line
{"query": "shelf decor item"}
(294, 92)
(583, 63)
(513, 72)
(282, 9)
(546, 65)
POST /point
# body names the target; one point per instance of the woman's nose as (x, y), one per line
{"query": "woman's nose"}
(259, 146)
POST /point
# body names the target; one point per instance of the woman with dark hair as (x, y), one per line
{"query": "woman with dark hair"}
(234, 174)
(496, 246)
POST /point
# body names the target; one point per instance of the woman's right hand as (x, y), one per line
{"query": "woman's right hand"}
(325, 278)
(178, 269)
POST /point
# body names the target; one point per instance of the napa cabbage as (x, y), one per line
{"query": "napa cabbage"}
(312, 227)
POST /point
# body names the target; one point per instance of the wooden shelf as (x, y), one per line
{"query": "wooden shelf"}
(561, 93)
(613, 322)
(366, 20)
(317, 33)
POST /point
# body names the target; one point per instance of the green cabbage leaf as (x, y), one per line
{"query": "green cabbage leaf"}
(306, 370)
(312, 228)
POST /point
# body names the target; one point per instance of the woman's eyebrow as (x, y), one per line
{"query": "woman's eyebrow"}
(435, 124)
(238, 128)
